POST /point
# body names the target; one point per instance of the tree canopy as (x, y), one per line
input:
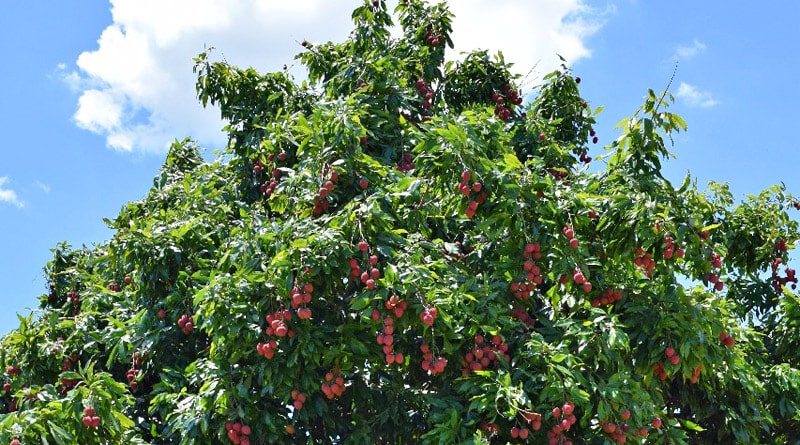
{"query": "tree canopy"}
(403, 249)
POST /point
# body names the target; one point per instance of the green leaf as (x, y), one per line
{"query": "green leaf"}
(691, 425)
(123, 420)
(710, 227)
(511, 161)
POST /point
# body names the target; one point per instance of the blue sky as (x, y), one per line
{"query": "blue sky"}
(94, 91)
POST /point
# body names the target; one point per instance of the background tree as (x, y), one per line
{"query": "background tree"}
(400, 251)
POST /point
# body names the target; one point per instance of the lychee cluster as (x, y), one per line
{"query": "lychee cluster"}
(523, 288)
(426, 91)
(609, 296)
(186, 323)
(669, 249)
(533, 419)
(504, 100)
(267, 349)
(712, 277)
(644, 261)
(564, 418)
(434, 365)
(467, 189)
(580, 279)
(726, 339)
(300, 297)
(385, 338)
(298, 399)
(523, 315)
(321, 199)
(277, 326)
(238, 433)
(267, 188)
(133, 373)
(557, 174)
(66, 365)
(406, 163)
(276, 323)
(519, 433)
(659, 369)
(433, 39)
(618, 432)
(779, 281)
(333, 385)
(671, 355)
(569, 232)
(74, 297)
(90, 418)
(490, 428)
(371, 274)
(428, 315)
(485, 355)
(396, 305)
(696, 373)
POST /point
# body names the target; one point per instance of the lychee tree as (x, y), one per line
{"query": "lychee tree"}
(400, 250)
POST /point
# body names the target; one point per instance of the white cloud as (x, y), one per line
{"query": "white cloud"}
(687, 52)
(137, 88)
(695, 97)
(42, 186)
(71, 78)
(99, 111)
(530, 34)
(8, 195)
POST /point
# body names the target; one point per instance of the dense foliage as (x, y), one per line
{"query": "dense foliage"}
(400, 251)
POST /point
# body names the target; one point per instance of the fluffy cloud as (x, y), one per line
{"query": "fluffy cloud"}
(137, 87)
(530, 34)
(687, 52)
(8, 195)
(42, 186)
(695, 97)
